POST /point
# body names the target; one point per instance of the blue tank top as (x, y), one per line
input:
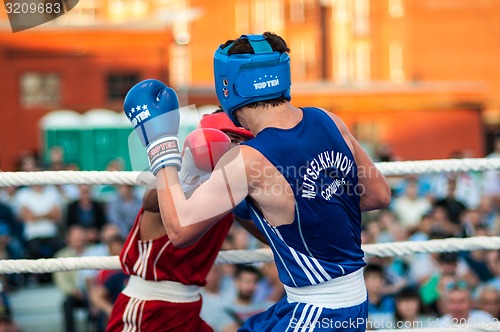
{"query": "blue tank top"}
(324, 240)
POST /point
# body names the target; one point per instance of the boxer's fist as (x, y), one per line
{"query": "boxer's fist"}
(153, 110)
(202, 150)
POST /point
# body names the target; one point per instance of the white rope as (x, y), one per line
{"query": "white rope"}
(132, 178)
(253, 256)
(391, 249)
(47, 265)
(439, 166)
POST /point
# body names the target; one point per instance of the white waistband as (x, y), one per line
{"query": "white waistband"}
(170, 291)
(341, 292)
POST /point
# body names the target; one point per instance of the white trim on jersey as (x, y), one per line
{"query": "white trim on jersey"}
(315, 320)
(293, 317)
(307, 324)
(132, 241)
(319, 272)
(296, 257)
(141, 265)
(297, 213)
(158, 258)
(272, 243)
(311, 267)
(322, 270)
(129, 317)
(299, 323)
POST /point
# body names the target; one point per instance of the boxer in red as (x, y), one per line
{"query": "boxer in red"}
(163, 289)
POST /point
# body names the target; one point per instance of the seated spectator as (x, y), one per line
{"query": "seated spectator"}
(123, 209)
(107, 286)
(270, 288)
(410, 208)
(494, 264)
(242, 307)
(448, 265)
(477, 261)
(40, 211)
(106, 193)
(108, 233)
(67, 282)
(488, 300)
(457, 302)
(87, 213)
(212, 309)
(395, 271)
(453, 205)
(13, 230)
(381, 308)
(408, 312)
(423, 229)
(472, 221)
(442, 223)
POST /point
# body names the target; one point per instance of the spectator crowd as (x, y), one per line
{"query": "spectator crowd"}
(422, 290)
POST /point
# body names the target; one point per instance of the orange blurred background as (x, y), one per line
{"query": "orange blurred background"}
(418, 76)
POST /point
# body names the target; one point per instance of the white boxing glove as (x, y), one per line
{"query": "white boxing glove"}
(202, 150)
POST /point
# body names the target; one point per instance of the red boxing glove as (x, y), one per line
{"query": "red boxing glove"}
(202, 150)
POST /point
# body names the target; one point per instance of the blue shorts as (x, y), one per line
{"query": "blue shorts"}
(294, 317)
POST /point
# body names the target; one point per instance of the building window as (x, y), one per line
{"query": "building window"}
(396, 8)
(40, 89)
(85, 13)
(297, 11)
(275, 13)
(180, 66)
(119, 84)
(242, 9)
(361, 22)
(125, 10)
(361, 62)
(396, 62)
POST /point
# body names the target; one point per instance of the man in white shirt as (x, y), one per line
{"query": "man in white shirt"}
(39, 209)
(457, 301)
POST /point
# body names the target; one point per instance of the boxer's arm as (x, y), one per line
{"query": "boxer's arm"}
(375, 190)
(150, 201)
(186, 220)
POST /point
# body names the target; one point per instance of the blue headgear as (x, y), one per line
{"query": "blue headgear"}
(241, 79)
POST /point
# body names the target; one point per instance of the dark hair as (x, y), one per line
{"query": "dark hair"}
(447, 257)
(241, 268)
(407, 293)
(374, 269)
(116, 238)
(242, 46)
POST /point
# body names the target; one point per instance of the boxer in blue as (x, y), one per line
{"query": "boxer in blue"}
(304, 177)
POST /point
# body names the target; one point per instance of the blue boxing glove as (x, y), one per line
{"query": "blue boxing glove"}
(153, 110)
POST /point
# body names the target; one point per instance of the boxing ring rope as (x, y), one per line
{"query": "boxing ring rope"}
(133, 178)
(252, 256)
(243, 256)
(260, 255)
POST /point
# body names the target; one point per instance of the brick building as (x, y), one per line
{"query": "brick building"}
(383, 65)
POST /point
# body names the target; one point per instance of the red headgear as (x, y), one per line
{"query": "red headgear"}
(222, 122)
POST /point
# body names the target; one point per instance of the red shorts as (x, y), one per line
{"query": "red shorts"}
(130, 314)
